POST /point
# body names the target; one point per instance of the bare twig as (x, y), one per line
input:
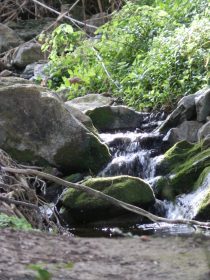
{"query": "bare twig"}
(103, 196)
(65, 16)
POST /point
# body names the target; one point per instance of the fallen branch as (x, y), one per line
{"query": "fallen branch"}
(100, 195)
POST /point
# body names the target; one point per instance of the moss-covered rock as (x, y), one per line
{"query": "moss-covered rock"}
(182, 166)
(83, 208)
(37, 128)
(203, 182)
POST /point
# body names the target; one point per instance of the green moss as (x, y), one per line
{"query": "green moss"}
(14, 222)
(128, 189)
(91, 158)
(182, 165)
(73, 178)
(204, 209)
(203, 212)
(26, 156)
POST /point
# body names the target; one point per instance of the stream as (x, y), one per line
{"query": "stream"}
(136, 153)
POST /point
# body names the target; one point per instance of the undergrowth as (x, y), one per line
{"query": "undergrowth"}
(148, 55)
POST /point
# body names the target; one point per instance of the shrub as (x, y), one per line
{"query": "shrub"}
(146, 55)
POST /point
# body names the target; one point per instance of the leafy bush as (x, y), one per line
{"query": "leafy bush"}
(176, 65)
(143, 55)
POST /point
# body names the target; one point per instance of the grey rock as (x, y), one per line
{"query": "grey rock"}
(115, 118)
(27, 54)
(90, 101)
(188, 131)
(29, 29)
(36, 127)
(202, 103)
(28, 72)
(204, 131)
(8, 38)
(6, 73)
(35, 71)
(80, 116)
(10, 81)
(185, 111)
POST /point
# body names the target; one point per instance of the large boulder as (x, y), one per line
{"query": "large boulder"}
(180, 167)
(119, 117)
(90, 102)
(8, 38)
(26, 54)
(36, 127)
(78, 207)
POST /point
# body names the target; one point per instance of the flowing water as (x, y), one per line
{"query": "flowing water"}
(137, 153)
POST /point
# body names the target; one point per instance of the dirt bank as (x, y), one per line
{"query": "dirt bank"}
(91, 259)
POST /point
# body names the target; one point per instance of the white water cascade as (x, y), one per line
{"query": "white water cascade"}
(137, 154)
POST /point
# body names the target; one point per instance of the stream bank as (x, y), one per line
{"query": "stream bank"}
(92, 259)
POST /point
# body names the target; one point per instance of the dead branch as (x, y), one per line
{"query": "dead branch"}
(65, 16)
(100, 195)
(17, 202)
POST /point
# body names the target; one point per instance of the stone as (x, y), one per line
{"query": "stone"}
(82, 208)
(8, 38)
(202, 103)
(120, 117)
(29, 29)
(10, 81)
(28, 72)
(181, 166)
(37, 128)
(6, 73)
(188, 131)
(204, 131)
(26, 54)
(185, 111)
(35, 71)
(90, 102)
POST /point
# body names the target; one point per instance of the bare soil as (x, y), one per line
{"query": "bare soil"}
(136, 258)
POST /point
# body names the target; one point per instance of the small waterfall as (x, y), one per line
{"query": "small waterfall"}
(186, 205)
(133, 153)
(137, 154)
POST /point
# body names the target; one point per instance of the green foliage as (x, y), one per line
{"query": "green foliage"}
(14, 222)
(42, 273)
(147, 55)
(176, 64)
